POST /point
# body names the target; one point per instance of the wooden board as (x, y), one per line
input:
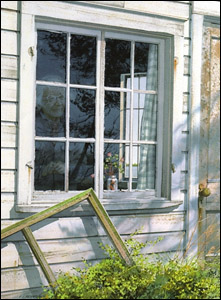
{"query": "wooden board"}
(38, 254)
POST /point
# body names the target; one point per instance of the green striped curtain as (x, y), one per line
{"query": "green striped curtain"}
(147, 164)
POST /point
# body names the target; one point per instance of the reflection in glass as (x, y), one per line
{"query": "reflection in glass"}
(145, 68)
(81, 172)
(145, 117)
(146, 166)
(117, 61)
(49, 165)
(50, 111)
(83, 60)
(117, 112)
(51, 56)
(82, 113)
(116, 160)
(141, 57)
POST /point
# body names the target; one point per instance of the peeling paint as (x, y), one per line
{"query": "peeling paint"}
(209, 136)
(176, 61)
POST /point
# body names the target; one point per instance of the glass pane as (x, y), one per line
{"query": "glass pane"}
(117, 62)
(117, 115)
(82, 113)
(51, 56)
(83, 60)
(145, 117)
(49, 165)
(50, 111)
(81, 172)
(116, 162)
(144, 158)
(145, 68)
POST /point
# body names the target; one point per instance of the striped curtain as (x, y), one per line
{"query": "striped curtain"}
(147, 164)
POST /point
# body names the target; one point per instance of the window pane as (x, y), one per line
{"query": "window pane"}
(83, 60)
(117, 115)
(51, 56)
(81, 170)
(145, 158)
(50, 111)
(145, 117)
(49, 165)
(117, 61)
(82, 113)
(116, 162)
(145, 69)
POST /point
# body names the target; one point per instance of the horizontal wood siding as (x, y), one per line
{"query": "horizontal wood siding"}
(10, 35)
(9, 90)
(66, 240)
(166, 8)
(72, 239)
(8, 135)
(10, 5)
(69, 250)
(178, 10)
(8, 111)
(90, 226)
(9, 67)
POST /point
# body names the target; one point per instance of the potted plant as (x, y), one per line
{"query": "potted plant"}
(112, 165)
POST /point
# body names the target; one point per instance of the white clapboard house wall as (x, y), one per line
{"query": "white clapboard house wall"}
(188, 38)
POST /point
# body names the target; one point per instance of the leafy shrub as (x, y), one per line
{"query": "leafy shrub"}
(146, 279)
(183, 280)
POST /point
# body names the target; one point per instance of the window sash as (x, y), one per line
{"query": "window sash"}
(99, 139)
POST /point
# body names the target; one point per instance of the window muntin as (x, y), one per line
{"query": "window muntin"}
(127, 84)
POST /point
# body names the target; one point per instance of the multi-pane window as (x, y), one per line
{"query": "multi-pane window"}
(97, 100)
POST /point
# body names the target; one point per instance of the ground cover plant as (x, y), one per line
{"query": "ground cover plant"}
(146, 279)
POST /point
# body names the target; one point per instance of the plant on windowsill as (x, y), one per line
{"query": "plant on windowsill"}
(112, 165)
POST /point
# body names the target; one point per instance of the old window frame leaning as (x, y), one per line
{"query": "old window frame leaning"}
(27, 92)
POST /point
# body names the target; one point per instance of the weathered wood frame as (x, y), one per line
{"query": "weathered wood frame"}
(100, 211)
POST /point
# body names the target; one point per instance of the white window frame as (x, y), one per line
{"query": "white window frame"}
(71, 15)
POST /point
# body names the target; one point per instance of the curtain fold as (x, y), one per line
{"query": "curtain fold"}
(147, 164)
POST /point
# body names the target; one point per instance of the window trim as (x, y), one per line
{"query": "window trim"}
(27, 62)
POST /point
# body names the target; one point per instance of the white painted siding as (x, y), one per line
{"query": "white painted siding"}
(71, 239)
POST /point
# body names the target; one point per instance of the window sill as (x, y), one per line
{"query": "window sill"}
(118, 205)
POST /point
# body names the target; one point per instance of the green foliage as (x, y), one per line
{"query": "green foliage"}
(184, 280)
(146, 279)
(112, 163)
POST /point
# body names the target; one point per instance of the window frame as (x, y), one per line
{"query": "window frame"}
(25, 199)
